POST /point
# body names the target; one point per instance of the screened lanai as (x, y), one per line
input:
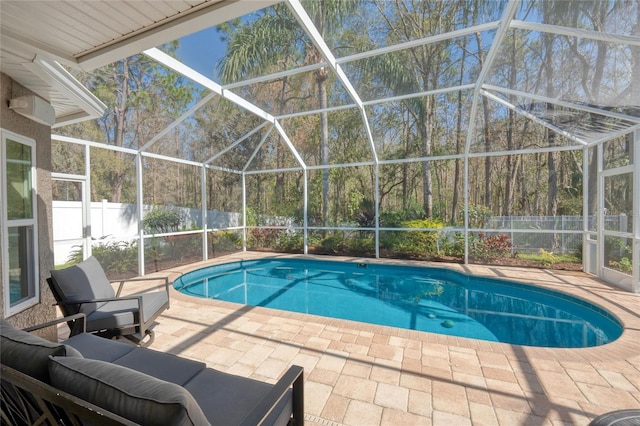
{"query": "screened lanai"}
(464, 131)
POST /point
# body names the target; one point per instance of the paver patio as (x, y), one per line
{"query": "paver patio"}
(362, 374)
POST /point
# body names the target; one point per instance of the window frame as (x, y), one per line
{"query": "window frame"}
(5, 224)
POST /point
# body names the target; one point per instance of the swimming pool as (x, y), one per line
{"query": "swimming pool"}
(427, 299)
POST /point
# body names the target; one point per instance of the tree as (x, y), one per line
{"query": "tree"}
(142, 98)
(275, 41)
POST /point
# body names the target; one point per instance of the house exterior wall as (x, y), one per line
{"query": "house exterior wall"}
(9, 120)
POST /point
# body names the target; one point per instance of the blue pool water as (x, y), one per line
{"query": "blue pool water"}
(418, 298)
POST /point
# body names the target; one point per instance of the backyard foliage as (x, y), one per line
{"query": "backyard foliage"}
(419, 134)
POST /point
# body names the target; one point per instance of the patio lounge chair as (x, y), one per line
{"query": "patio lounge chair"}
(87, 380)
(85, 288)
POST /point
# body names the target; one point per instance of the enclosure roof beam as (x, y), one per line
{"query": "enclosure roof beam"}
(190, 73)
(507, 15)
(316, 111)
(398, 98)
(287, 141)
(577, 32)
(614, 135)
(420, 94)
(566, 104)
(419, 42)
(255, 151)
(276, 75)
(234, 144)
(307, 24)
(178, 121)
(536, 119)
(94, 144)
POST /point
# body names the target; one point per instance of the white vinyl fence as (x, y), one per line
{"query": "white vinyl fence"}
(118, 222)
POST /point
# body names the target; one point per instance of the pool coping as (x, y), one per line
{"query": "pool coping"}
(620, 303)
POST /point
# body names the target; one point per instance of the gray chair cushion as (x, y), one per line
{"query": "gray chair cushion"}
(94, 347)
(226, 399)
(83, 281)
(28, 353)
(128, 393)
(163, 366)
(123, 313)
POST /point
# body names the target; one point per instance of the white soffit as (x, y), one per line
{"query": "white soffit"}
(91, 34)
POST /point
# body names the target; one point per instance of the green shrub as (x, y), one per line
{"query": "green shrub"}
(547, 257)
(335, 243)
(116, 257)
(161, 221)
(420, 243)
(452, 245)
(361, 245)
(291, 242)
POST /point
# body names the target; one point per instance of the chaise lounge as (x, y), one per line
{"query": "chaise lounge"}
(91, 380)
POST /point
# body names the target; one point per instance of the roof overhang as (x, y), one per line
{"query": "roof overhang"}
(37, 37)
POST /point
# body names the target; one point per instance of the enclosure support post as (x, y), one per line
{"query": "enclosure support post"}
(600, 210)
(244, 212)
(86, 200)
(635, 251)
(305, 220)
(205, 219)
(377, 202)
(140, 214)
(466, 209)
(586, 254)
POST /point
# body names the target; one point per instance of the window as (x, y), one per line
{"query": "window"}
(19, 225)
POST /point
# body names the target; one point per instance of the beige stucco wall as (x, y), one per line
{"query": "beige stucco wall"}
(9, 120)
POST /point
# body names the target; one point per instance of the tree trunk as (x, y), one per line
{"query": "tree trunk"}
(120, 112)
(324, 147)
(425, 134)
(279, 154)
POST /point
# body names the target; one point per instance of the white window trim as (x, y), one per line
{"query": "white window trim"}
(5, 224)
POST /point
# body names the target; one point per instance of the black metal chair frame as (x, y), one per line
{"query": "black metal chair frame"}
(139, 333)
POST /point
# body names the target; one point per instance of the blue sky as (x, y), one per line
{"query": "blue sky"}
(201, 51)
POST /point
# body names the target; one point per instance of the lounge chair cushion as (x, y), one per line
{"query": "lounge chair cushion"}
(126, 392)
(155, 363)
(84, 281)
(123, 313)
(232, 397)
(29, 353)
(94, 347)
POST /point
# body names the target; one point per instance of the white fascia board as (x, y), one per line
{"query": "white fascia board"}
(61, 80)
(185, 23)
(73, 118)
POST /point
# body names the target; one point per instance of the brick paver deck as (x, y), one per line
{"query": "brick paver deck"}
(361, 374)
